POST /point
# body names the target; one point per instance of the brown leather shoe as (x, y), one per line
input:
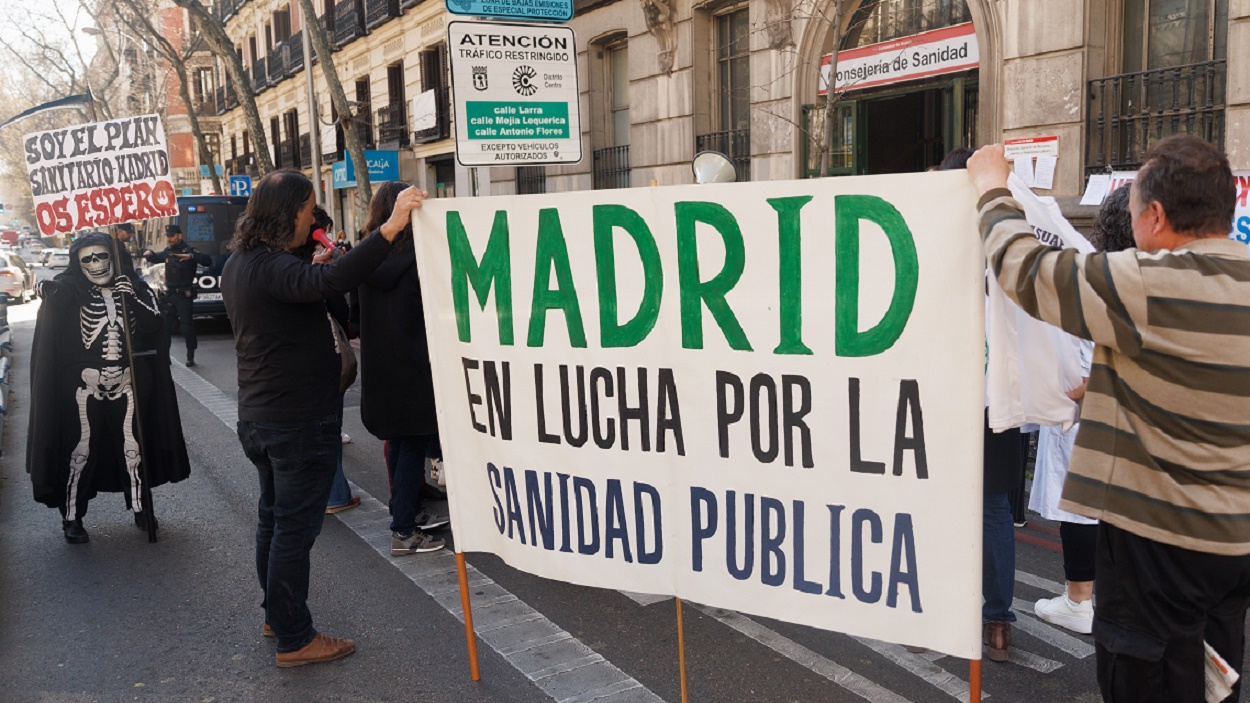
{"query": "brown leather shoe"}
(321, 649)
(997, 639)
(267, 631)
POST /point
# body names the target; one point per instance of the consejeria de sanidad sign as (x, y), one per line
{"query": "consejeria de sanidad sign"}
(759, 396)
(93, 175)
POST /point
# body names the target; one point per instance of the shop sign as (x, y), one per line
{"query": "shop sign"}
(383, 166)
(933, 53)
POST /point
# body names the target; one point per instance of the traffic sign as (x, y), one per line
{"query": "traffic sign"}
(516, 98)
(241, 185)
(529, 10)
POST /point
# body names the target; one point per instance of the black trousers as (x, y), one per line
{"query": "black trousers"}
(1080, 547)
(1156, 605)
(178, 312)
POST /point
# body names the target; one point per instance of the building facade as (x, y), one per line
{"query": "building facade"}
(661, 80)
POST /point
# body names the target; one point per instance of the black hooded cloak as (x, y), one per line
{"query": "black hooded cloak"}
(58, 357)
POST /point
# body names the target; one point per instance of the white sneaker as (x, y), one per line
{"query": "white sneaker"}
(347, 439)
(1078, 617)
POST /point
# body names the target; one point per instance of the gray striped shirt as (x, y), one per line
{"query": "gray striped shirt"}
(1164, 445)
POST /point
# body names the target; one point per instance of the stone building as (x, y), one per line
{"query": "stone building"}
(661, 80)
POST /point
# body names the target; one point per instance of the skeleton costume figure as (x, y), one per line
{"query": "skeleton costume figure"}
(82, 437)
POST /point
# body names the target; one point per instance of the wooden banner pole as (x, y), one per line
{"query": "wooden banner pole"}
(974, 681)
(681, 654)
(470, 637)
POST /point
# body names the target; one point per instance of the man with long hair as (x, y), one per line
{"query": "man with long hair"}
(289, 397)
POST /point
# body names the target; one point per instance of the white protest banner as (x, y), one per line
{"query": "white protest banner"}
(931, 53)
(759, 396)
(93, 175)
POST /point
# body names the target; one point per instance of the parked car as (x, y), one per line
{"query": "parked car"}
(17, 280)
(58, 259)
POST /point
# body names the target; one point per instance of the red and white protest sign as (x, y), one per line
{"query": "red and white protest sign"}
(933, 53)
(93, 175)
(1031, 146)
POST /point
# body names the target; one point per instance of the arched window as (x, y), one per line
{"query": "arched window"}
(879, 21)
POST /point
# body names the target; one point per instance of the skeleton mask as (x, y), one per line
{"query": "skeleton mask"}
(97, 263)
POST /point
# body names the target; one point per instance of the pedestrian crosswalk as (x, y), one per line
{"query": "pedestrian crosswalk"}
(507, 618)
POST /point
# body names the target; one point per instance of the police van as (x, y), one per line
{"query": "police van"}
(207, 223)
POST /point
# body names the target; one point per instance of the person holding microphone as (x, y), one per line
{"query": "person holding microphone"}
(289, 397)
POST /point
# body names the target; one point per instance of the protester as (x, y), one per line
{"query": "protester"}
(396, 385)
(289, 396)
(85, 417)
(180, 262)
(1074, 608)
(1163, 443)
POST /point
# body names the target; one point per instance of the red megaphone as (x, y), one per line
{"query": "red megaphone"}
(320, 237)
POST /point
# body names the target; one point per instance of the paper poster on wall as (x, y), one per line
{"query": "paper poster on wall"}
(93, 175)
(1096, 192)
(766, 397)
(424, 111)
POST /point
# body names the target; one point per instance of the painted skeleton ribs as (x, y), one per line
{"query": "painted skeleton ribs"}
(110, 382)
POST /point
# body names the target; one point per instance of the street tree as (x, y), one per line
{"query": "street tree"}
(214, 33)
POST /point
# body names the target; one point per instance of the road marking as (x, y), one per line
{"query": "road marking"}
(799, 654)
(555, 661)
(1050, 635)
(1039, 582)
(923, 667)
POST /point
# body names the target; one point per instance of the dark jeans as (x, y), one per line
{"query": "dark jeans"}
(405, 465)
(178, 312)
(1080, 544)
(295, 462)
(1156, 605)
(998, 559)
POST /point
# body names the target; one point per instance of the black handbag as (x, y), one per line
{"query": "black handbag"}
(347, 355)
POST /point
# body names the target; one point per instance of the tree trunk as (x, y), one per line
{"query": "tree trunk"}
(831, 94)
(215, 34)
(351, 133)
(180, 67)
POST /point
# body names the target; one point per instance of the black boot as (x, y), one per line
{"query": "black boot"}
(190, 357)
(142, 525)
(74, 532)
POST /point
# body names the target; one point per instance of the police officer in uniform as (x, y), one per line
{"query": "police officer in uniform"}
(180, 265)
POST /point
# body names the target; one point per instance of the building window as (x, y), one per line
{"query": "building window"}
(879, 21)
(1174, 73)
(531, 180)
(433, 65)
(733, 92)
(611, 163)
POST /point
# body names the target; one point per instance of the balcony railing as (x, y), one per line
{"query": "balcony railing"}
(442, 102)
(406, 4)
(393, 125)
(232, 97)
(286, 154)
(260, 76)
(349, 21)
(279, 63)
(531, 180)
(242, 165)
(295, 45)
(219, 100)
(378, 12)
(611, 167)
(1128, 113)
(734, 143)
(327, 23)
(304, 152)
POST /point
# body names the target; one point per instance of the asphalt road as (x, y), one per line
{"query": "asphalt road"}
(123, 620)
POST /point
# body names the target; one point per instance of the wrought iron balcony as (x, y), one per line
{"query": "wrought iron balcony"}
(392, 123)
(407, 4)
(286, 154)
(279, 63)
(531, 180)
(349, 21)
(378, 12)
(611, 167)
(260, 76)
(295, 46)
(327, 23)
(304, 150)
(1130, 112)
(442, 130)
(734, 143)
(219, 100)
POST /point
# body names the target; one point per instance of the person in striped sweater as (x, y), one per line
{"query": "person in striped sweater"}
(1163, 454)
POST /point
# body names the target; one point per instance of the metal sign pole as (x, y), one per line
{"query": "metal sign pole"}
(314, 119)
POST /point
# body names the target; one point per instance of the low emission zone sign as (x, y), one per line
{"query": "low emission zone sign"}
(527, 10)
(515, 88)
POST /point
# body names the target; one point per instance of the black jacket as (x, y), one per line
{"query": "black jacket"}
(288, 369)
(396, 385)
(179, 273)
